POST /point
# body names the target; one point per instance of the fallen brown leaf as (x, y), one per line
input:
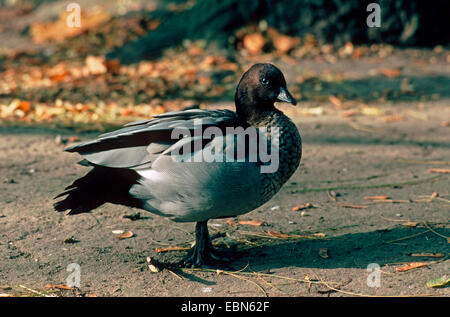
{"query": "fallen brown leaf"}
(59, 286)
(277, 234)
(125, 235)
(440, 170)
(282, 43)
(58, 30)
(153, 265)
(392, 118)
(231, 222)
(376, 197)
(250, 222)
(410, 266)
(301, 207)
(335, 101)
(349, 113)
(390, 72)
(372, 111)
(95, 65)
(113, 66)
(410, 224)
(254, 42)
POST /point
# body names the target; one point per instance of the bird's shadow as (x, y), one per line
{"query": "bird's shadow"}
(352, 250)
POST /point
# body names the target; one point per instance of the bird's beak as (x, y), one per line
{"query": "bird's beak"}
(285, 96)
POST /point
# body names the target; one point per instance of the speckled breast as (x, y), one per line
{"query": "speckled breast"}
(290, 153)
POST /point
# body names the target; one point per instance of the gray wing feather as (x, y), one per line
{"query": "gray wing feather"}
(141, 142)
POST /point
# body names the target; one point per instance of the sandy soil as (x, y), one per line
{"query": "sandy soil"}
(346, 155)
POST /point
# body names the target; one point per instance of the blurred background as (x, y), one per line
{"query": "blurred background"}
(129, 59)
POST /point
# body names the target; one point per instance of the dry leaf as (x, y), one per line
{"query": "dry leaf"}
(439, 282)
(440, 170)
(95, 65)
(301, 207)
(376, 197)
(314, 111)
(58, 31)
(410, 266)
(277, 234)
(231, 222)
(74, 138)
(162, 250)
(390, 72)
(392, 118)
(125, 235)
(335, 101)
(113, 66)
(25, 106)
(152, 265)
(153, 268)
(323, 253)
(372, 111)
(282, 43)
(59, 286)
(349, 113)
(410, 224)
(254, 43)
(359, 51)
(250, 222)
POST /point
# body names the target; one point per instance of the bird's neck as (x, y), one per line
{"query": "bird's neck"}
(254, 114)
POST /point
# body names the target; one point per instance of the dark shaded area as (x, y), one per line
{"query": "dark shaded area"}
(403, 22)
(352, 250)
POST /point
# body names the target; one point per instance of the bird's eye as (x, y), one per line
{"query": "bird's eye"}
(264, 81)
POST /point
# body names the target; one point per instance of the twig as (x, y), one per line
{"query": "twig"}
(408, 237)
(367, 295)
(392, 201)
(436, 233)
(175, 274)
(35, 292)
(423, 162)
(236, 274)
(395, 220)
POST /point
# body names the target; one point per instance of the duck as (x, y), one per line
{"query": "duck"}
(195, 165)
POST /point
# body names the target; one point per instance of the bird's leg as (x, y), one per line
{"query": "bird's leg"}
(203, 251)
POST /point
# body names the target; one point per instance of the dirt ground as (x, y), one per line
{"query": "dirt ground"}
(385, 148)
(344, 158)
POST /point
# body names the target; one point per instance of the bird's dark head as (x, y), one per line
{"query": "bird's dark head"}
(260, 87)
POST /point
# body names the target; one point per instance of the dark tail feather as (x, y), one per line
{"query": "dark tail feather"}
(100, 185)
